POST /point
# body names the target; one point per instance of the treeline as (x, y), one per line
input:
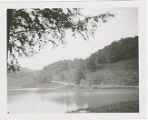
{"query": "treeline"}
(118, 50)
(63, 70)
(125, 48)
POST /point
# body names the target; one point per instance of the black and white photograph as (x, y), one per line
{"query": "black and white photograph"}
(72, 60)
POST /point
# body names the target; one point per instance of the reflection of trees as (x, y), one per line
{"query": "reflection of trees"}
(61, 97)
(69, 98)
(80, 99)
(66, 97)
(83, 99)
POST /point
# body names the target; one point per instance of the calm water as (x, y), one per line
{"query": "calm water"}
(65, 100)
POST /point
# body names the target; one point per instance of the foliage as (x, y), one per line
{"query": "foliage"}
(28, 30)
(118, 50)
(79, 76)
(91, 62)
(120, 72)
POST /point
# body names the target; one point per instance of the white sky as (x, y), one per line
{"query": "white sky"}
(124, 24)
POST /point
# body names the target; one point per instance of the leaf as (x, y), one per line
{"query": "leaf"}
(39, 34)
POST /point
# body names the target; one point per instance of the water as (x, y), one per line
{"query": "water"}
(65, 100)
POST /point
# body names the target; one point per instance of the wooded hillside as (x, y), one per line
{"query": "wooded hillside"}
(115, 64)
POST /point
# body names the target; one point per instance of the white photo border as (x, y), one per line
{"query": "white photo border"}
(74, 116)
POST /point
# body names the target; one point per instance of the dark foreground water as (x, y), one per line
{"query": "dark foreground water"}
(66, 100)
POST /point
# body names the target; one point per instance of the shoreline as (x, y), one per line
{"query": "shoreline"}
(119, 107)
(83, 87)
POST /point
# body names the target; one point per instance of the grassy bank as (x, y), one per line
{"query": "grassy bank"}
(122, 107)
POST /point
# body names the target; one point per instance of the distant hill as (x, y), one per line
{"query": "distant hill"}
(21, 78)
(115, 64)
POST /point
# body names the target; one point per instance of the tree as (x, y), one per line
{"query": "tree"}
(118, 50)
(79, 76)
(91, 64)
(28, 30)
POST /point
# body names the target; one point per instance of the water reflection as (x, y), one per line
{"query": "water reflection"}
(65, 100)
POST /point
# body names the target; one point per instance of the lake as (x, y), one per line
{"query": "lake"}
(66, 99)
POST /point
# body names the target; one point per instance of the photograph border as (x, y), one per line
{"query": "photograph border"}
(75, 116)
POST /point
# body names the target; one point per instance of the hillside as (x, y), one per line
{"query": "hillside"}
(21, 78)
(123, 73)
(114, 65)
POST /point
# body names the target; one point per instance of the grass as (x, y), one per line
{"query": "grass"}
(122, 73)
(121, 107)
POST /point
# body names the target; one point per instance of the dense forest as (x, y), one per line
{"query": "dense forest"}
(115, 64)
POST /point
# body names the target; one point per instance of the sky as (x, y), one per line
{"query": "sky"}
(124, 24)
